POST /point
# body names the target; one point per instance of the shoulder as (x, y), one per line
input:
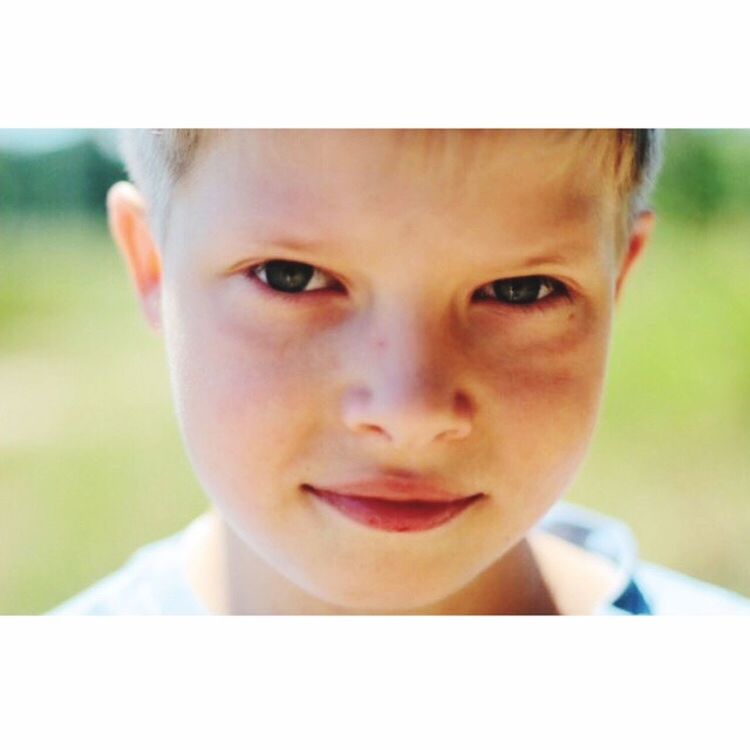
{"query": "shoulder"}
(151, 582)
(672, 593)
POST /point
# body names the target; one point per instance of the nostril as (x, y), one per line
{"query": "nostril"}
(408, 419)
(372, 429)
(456, 433)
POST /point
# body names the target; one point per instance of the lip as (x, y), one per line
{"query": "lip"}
(399, 506)
(398, 489)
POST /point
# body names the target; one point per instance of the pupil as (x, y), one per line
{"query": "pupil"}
(518, 291)
(284, 276)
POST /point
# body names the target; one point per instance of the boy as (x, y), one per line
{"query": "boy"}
(387, 352)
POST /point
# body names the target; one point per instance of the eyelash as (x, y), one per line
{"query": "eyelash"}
(555, 289)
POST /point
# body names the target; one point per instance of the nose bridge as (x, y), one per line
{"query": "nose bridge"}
(407, 388)
(411, 356)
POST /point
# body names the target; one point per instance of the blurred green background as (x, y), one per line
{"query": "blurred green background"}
(91, 464)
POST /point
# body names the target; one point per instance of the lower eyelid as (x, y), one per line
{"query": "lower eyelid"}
(541, 305)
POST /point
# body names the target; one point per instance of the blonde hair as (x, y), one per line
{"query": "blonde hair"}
(157, 159)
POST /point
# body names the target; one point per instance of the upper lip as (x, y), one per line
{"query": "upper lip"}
(397, 489)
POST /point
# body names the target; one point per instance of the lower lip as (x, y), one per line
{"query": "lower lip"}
(390, 515)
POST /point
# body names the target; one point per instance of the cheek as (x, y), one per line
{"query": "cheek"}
(243, 396)
(542, 407)
(550, 399)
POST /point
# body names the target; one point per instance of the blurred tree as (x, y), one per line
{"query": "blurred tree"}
(705, 175)
(73, 179)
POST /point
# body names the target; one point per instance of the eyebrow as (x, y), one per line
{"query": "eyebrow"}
(566, 250)
(282, 240)
(545, 260)
(293, 243)
(563, 252)
(279, 242)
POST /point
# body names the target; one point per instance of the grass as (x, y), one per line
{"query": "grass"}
(91, 465)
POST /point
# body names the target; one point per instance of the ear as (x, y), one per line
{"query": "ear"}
(126, 211)
(639, 236)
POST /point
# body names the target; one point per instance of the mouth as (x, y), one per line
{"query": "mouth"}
(395, 512)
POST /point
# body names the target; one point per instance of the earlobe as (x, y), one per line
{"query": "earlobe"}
(639, 235)
(128, 225)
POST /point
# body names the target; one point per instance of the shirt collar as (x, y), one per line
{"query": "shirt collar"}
(609, 538)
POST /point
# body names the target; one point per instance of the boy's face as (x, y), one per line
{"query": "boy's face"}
(400, 357)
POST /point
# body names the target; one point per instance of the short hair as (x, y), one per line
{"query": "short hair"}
(157, 159)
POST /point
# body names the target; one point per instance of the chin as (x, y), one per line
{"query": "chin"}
(374, 596)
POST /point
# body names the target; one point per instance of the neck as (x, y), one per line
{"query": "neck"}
(230, 578)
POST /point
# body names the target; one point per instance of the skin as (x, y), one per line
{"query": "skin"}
(398, 368)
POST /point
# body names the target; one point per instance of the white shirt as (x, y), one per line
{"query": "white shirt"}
(154, 581)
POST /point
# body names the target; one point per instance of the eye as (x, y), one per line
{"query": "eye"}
(522, 290)
(290, 277)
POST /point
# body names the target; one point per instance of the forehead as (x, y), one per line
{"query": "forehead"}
(315, 181)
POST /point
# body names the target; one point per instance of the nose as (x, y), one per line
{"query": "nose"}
(407, 395)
